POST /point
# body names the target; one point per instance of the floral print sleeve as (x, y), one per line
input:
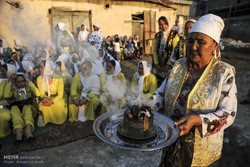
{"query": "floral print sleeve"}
(225, 113)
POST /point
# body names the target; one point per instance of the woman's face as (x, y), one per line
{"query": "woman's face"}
(3, 72)
(95, 28)
(42, 68)
(20, 82)
(163, 26)
(74, 59)
(14, 56)
(44, 55)
(188, 27)
(59, 67)
(140, 69)
(85, 70)
(101, 53)
(83, 27)
(110, 68)
(200, 48)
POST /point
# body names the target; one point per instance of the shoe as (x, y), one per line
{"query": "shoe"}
(244, 102)
(18, 142)
(30, 139)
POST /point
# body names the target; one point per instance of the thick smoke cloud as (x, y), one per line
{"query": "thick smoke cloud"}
(25, 23)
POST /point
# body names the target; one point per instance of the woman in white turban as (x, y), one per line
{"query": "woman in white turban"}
(199, 94)
(95, 37)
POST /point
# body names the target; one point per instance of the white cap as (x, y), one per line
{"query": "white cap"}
(210, 25)
(97, 25)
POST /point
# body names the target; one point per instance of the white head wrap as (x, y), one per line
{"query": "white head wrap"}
(97, 25)
(18, 43)
(210, 25)
(75, 64)
(48, 73)
(11, 69)
(191, 20)
(4, 43)
(61, 26)
(91, 83)
(147, 70)
(21, 91)
(27, 62)
(117, 69)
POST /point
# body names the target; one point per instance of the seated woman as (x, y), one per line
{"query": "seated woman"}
(84, 100)
(5, 115)
(22, 89)
(143, 81)
(113, 87)
(53, 105)
(200, 95)
(67, 78)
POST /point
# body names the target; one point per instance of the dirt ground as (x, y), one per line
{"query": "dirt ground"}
(92, 152)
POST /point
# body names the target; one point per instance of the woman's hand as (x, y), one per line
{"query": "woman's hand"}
(158, 67)
(82, 102)
(47, 102)
(187, 122)
(76, 102)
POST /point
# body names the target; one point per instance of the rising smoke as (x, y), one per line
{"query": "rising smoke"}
(25, 23)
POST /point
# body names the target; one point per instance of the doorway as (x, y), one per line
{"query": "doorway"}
(144, 25)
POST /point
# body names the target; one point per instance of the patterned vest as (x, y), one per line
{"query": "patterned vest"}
(203, 98)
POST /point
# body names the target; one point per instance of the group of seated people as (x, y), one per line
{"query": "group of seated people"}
(123, 49)
(67, 88)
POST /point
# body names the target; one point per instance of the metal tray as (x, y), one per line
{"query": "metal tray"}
(105, 127)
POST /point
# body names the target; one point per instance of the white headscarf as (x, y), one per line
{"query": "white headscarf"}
(48, 73)
(114, 86)
(11, 69)
(27, 62)
(147, 70)
(90, 83)
(4, 43)
(20, 91)
(75, 64)
(18, 43)
(210, 25)
(117, 69)
(62, 27)
(64, 57)
(83, 35)
(110, 58)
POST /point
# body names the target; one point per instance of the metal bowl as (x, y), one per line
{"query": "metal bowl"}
(105, 127)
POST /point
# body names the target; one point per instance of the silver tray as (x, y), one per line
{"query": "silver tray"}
(105, 127)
